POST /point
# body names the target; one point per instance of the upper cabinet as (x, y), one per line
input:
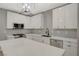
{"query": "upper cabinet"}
(9, 20)
(65, 17)
(16, 18)
(37, 21)
(29, 22)
(58, 18)
(71, 16)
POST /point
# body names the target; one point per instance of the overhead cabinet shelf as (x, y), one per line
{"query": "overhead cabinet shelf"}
(34, 22)
(65, 17)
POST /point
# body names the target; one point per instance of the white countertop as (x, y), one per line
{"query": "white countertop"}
(52, 37)
(64, 39)
(26, 47)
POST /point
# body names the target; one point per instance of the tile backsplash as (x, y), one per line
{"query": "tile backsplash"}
(18, 31)
(37, 31)
(69, 33)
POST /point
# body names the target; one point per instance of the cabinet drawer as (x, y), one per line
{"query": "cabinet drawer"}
(70, 50)
(70, 44)
(72, 41)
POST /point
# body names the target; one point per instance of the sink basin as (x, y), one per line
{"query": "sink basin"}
(46, 36)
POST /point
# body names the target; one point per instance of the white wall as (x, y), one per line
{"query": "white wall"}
(3, 20)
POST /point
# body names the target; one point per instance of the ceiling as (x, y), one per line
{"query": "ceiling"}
(35, 7)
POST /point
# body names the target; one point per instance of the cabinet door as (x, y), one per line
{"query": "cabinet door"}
(70, 49)
(10, 20)
(65, 17)
(61, 17)
(17, 18)
(55, 18)
(67, 50)
(46, 40)
(27, 23)
(71, 16)
(58, 18)
(36, 21)
(13, 18)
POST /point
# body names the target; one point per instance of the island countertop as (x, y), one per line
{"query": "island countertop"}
(26, 47)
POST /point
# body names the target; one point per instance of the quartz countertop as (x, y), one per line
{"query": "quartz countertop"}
(26, 47)
(63, 38)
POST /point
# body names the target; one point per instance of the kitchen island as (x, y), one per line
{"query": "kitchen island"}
(26, 47)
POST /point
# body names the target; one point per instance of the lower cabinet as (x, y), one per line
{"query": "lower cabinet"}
(45, 40)
(69, 45)
(39, 38)
(71, 48)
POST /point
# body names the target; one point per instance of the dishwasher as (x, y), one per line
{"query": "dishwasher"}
(56, 43)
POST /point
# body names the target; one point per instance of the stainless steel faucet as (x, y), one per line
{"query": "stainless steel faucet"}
(47, 32)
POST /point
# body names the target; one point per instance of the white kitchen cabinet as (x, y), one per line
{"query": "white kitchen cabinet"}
(29, 22)
(58, 18)
(10, 20)
(44, 40)
(61, 17)
(39, 38)
(69, 44)
(55, 18)
(70, 47)
(37, 21)
(17, 18)
(70, 50)
(65, 17)
(71, 16)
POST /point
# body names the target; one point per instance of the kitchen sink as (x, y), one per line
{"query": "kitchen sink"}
(46, 36)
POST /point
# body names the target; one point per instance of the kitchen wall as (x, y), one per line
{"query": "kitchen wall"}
(3, 17)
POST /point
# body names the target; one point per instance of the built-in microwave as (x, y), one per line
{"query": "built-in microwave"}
(18, 26)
